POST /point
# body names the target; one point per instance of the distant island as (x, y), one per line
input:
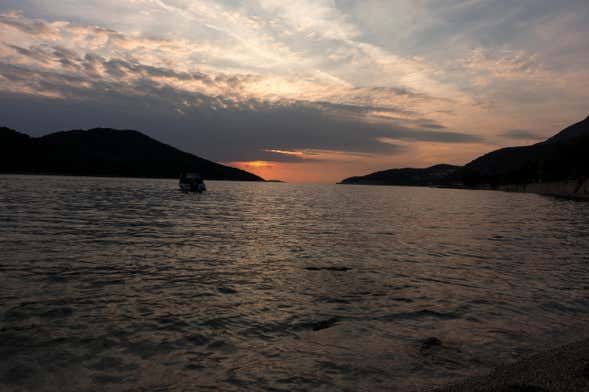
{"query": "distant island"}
(558, 165)
(105, 152)
(437, 175)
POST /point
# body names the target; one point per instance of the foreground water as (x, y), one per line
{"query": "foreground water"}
(129, 284)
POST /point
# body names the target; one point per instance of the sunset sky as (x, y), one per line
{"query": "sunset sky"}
(300, 90)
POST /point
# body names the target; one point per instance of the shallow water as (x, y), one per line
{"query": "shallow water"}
(129, 284)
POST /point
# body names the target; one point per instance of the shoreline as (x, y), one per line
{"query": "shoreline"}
(572, 189)
(560, 369)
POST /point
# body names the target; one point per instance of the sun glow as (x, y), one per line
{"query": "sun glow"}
(252, 164)
(258, 164)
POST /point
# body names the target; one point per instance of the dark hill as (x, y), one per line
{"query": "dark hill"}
(105, 152)
(432, 176)
(579, 129)
(562, 157)
(565, 156)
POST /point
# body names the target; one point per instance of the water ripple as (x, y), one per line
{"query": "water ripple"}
(128, 284)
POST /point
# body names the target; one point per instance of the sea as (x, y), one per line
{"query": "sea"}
(119, 284)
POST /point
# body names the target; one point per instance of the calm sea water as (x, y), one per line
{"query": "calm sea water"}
(129, 284)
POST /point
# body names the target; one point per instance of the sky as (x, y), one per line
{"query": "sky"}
(300, 90)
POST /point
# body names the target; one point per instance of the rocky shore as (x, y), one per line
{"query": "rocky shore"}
(563, 369)
(572, 188)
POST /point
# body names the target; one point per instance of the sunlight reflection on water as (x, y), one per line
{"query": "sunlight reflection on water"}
(118, 284)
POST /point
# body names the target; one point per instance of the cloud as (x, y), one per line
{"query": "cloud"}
(301, 81)
(223, 108)
(313, 18)
(35, 53)
(520, 134)
(30, 26)
(505, 64)
(215, 127)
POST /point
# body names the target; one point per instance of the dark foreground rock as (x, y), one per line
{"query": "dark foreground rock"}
(564, 369)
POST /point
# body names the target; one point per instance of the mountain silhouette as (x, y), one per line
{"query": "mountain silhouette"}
(564, 156)
(105, 152)
(441, 174)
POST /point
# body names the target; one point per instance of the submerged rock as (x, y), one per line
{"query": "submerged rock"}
(226, 290)
(430, 342)
(337, 269)
(323, 324)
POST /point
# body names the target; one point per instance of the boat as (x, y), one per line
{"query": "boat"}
(192, 182)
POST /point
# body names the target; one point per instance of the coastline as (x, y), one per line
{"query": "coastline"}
(570, 188)
(561, 369)
(573, 189)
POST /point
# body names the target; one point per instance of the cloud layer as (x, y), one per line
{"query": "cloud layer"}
(299, 82)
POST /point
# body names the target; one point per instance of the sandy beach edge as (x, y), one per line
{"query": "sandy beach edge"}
(561, 369)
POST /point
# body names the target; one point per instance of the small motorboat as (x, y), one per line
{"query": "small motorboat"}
(192, 182)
